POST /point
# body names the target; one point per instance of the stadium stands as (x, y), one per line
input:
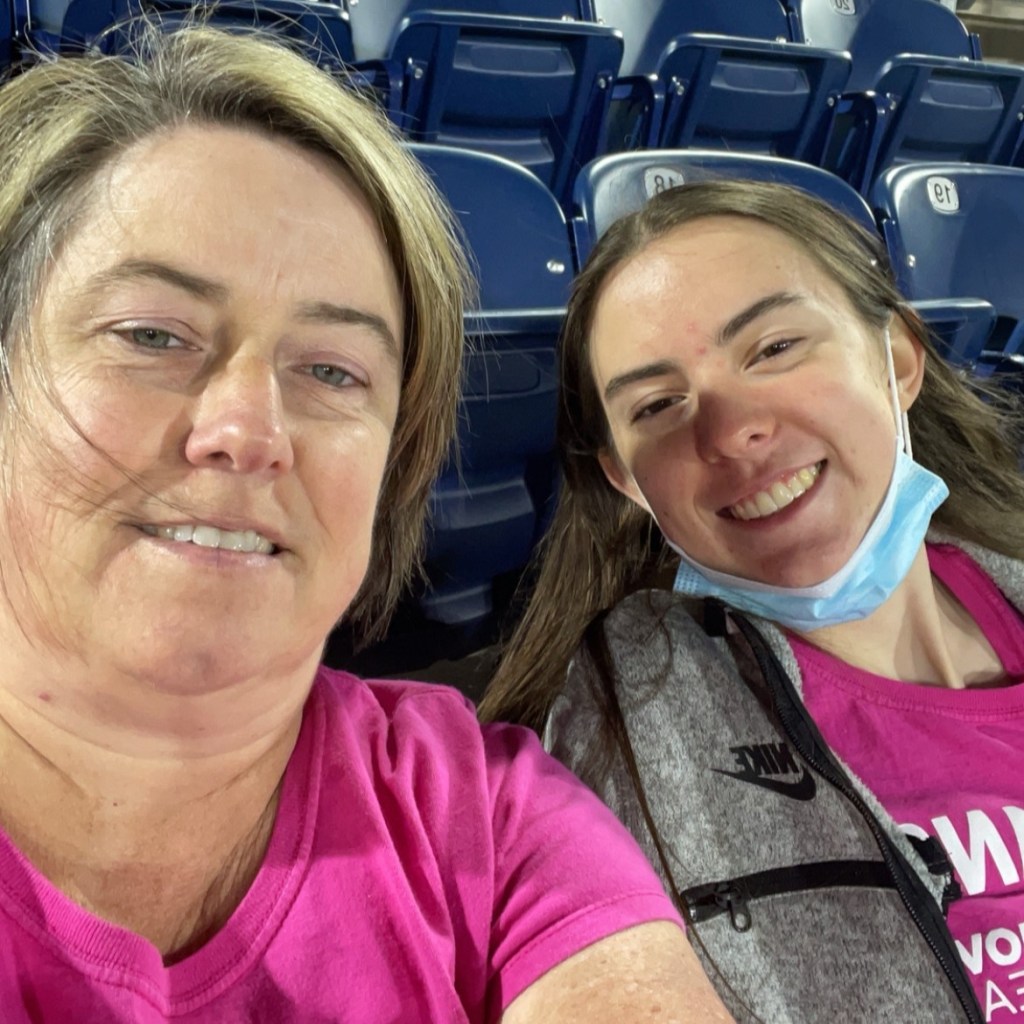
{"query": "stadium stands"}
(612, 186)
(375, 23)
(322, 29)
(534, 90)
(721, 74)
(488, 508)
(954, 230)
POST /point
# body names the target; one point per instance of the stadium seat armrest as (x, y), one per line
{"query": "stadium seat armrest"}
(857, 128)
(960, 326)
(634, 114)
(382, 80)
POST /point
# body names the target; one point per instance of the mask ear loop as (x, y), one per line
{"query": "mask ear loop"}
(902, 423)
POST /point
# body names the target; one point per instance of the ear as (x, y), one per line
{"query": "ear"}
(622, 481)
(908, 359)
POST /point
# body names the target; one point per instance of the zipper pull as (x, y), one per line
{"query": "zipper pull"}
(730, 898)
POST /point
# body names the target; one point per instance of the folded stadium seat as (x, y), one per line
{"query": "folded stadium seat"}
(613, 186)
(720, 74)
(532, 89)
(321, 29)
(917, 91)
(955, 229)
(491, 504)
(375, 22)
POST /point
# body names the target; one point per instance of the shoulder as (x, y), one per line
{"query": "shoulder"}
(648, 637)
(411, 709)
(396, 723)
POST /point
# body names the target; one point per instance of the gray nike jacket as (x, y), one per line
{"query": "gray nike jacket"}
(807, 904)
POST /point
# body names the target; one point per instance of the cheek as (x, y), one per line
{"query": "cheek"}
(343, 481)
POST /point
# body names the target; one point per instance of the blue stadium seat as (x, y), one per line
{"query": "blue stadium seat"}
(875, 31)
(954, 230)
(915, 92)
(648, 26)
(533, 90)
(490, 506)
(320, 28)
(375, 22)
(925, 109)
(613, 186)
(721, 74)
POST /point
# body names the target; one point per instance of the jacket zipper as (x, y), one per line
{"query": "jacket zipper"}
(733, 897)
(803, 734)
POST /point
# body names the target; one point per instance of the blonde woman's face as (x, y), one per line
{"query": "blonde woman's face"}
(225, 325)
(749, 405)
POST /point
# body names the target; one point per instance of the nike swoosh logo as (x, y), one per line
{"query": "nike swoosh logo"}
(803, 788)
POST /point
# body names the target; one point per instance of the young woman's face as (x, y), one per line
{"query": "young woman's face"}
(748, 405)
(226, 325)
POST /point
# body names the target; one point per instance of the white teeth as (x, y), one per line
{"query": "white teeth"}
(777, 496)
(211, 537)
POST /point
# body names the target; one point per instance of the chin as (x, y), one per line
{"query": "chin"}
(194, 668)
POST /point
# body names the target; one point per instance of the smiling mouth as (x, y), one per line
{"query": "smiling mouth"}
(778, 496)
(244, 541)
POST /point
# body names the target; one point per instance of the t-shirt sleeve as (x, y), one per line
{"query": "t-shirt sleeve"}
(566, 872)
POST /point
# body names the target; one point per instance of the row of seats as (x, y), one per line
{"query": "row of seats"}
(951, 231)
(855, 86)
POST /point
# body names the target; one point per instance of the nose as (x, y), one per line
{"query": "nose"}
(732, 425)
(239, 421)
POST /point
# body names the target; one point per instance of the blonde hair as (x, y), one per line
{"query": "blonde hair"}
(601, 545)
(63, 121)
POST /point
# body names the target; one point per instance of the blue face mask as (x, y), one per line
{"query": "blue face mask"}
(871, 574)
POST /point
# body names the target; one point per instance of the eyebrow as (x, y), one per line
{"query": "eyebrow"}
(331, 313)
(130, 270)
(212, 291)
(753, 311)
(662, 368)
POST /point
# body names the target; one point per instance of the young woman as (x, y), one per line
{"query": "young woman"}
(741, 384)
(231, 334)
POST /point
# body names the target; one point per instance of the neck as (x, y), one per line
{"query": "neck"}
(151, 809)
(921, 634)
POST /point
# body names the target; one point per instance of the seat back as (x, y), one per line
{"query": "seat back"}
(489, 507)
(941, 109)
(613, 186)
(954, 230)
(375, 22)
(322, 29)
(647, 26)
(875, 31)
(776, 98)
(532, 90)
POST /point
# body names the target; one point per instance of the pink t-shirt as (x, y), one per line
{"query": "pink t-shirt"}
(421, 868)
(948, 763)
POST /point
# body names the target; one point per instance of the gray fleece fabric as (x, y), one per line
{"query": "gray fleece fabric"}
(729, 801)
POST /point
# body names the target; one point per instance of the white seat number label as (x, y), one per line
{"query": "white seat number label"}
(942, 194)
(661, 179)
(844, 6)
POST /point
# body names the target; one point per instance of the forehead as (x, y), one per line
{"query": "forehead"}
(235, 206)
(694, 279)
(707, 265)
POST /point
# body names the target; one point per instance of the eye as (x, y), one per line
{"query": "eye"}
(153, 337)
(776, 348)
(334, 376)
(655, 407)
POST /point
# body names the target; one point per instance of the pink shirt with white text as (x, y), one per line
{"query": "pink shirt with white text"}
(948, 763)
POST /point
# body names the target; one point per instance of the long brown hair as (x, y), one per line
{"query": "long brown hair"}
(601, 546)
